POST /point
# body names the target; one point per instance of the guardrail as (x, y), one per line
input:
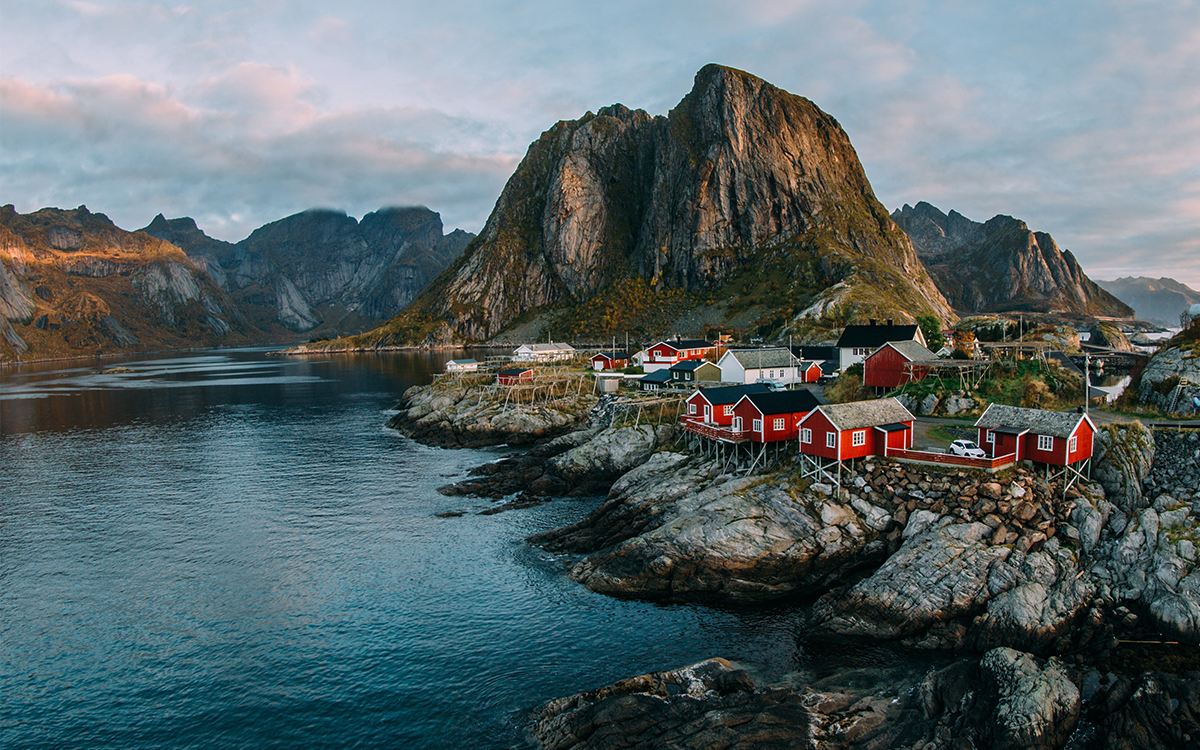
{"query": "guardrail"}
(950, 459)
(714, 432)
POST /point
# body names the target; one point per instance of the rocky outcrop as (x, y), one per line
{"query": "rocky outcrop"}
(1165, 372)
(738, 172)
(712, 704)
(320, 263)
(1122, 456)
(458, 413)
(1001, 265)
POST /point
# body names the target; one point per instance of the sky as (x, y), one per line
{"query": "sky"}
(1080, 118)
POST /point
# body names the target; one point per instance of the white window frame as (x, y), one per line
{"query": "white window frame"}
(1073, 444)
(728, 409)
(991, 437)
(805, 435)
(737, 424)
(757, 425)
(1045, 442)
(781, 423)
(691, 408)
(831, 440)
(858, 437)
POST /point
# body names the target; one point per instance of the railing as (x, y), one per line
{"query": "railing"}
(952, 460)
(712, 431)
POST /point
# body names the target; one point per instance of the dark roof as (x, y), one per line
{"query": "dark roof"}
(658, 376)
(686, 344)
(785, 402)
(829, 367)
(690, 364)
(1011, 430)
(731, 394)
(1062, 360)
(515, 371)
(815, 352)
(611, 355)
(893, 427)
(875, 336)
(1038, 421)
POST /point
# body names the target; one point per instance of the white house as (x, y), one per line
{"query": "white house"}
(550, 352)
(857, 341)
(462, 365)
(748, 365)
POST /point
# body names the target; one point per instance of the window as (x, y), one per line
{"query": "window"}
(758, 425)
(728, 409)
(991, 437)
(691, 408)
(1045, 442)
(806, 435)
(831, 440)
(781, 424)
(1072, 444)
(858, 437)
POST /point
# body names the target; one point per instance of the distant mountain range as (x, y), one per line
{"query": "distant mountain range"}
(1002, 266)
(72, 282)
(745, 207)
(1155, 300)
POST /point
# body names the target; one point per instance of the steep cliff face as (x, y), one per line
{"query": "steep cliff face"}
(1001, 265)
(73, 283)
(740, 171)
(323, 266)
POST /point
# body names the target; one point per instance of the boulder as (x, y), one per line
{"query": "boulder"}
(1037, 704)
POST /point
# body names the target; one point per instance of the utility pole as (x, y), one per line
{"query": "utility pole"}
(1087, 380)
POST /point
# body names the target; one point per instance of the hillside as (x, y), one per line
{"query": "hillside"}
(1155, 300)
(321, 271)
(1002, 266)
(72, 282)
(746, 206)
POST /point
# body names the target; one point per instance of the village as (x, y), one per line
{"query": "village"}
(750, 407)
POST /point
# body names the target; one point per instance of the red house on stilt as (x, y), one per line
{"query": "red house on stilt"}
(834, 433)
(1053, 438)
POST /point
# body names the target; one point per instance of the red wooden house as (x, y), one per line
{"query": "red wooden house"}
(666, 353)
(835, 432)
(810, 371)
(1049, 437)
(774, 416)
(715, 405)
(885, 367)
(514, 375)
(610, 361)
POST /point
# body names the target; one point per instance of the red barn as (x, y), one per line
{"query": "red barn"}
(715, 405)
(773, 416)
(514, 375)
(610, 361)
(885, 367)
(856, 430)
(1049, 437)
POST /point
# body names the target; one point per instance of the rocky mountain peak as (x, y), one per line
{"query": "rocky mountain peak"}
(1000, 265)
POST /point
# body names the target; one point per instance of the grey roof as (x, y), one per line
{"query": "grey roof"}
(1039, 421)
(462, 362)
(1064, 361)
(658, 376)
(551, 348)
(872, 413)
(759, 358)
(912, 350)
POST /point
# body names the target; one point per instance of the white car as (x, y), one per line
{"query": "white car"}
(966, 448)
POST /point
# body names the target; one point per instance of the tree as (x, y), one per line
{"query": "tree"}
(932, 329)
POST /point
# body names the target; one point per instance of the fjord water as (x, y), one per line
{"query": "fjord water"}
(229, 550)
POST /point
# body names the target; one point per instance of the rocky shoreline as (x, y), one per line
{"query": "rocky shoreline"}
(1033, 589)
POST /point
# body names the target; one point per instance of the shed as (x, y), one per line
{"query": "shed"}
(462, 365)
(654, 381)
(610, 361)
(693, 370)
(514, 375)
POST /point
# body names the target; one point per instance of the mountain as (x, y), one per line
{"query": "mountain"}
(72, 282)
(1155, 300)
(321, 270)
(1001, 266)
(743, 201)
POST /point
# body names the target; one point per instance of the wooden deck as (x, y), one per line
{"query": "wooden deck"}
(713, 431)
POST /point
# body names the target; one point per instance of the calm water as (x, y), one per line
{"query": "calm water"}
(227, 549)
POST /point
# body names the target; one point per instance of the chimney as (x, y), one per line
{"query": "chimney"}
(874, 322)
(889, 321)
